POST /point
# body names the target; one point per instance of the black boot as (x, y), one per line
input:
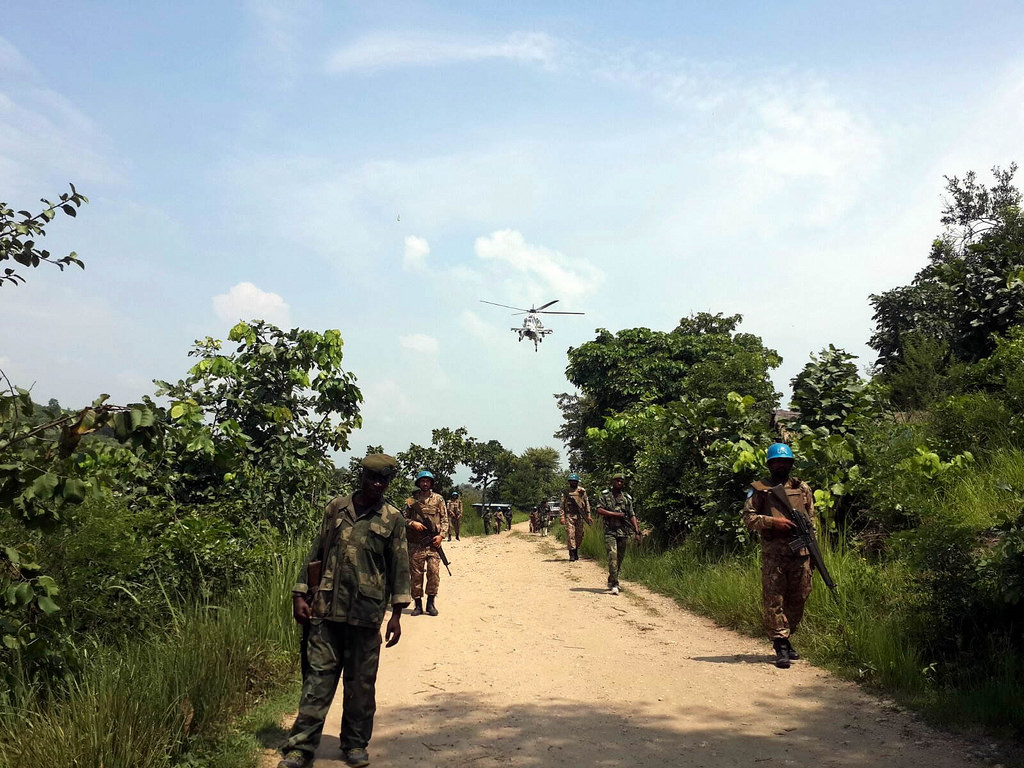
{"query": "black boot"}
(431, 608)
(791, 651)
(418, 608)
(573, 557)
(781, 653)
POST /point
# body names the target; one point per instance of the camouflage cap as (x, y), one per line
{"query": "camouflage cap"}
(381, 464)
(618, 476)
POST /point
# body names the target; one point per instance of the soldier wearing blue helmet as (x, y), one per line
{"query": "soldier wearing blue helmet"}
(785, 574)
(427, 523)
(575, 508)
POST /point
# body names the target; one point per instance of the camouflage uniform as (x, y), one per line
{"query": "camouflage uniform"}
(499, 520)
(424, 506)
(617, 532)
(575, 510)
(785, 575)
(366, 568)
(454, 516)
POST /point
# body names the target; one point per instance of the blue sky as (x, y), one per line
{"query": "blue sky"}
(380, 167)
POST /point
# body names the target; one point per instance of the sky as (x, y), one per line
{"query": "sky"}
(380, 168)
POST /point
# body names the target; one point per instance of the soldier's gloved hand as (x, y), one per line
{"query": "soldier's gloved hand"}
(300, 609)
(782, 523)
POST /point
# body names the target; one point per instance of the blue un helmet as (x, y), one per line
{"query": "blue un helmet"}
(779, 451)
(574, 476)
(423, 474)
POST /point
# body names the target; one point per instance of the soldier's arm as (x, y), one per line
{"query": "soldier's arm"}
(302, 582)
(752, 517)
(445, 525)
(397, 567)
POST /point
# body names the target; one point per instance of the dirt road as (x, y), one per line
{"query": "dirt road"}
(531, 664)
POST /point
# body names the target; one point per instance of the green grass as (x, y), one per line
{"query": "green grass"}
(153, 703)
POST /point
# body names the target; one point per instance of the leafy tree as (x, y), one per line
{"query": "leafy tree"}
(703, 357)
(257, 426)
(490, 464)
(447, 450)
(19, 232)
(972, 289)
(829, 392)
(536, 475)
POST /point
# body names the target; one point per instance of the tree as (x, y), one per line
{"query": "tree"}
(829, 392)
(19, 231)
(447, 450)
(536, 475)
(702, 358)
(258, 425)
(490, 464)
(972, 290)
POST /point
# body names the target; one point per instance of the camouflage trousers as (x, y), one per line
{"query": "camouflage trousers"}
(574, 529)
(334, 651)
(615, 547)
(454, 525)
(785, 587)
(424, 559)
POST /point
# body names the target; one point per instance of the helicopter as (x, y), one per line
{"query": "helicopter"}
(532, 328)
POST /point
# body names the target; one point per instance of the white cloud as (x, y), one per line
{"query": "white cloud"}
(416, 251)
(389, 50)
(247, 302)
(419, 342)
(544, 273)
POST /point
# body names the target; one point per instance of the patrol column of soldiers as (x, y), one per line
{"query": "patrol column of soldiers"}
(575, 509)
(454, 515)
(362, 560)
(616, 510)
(785, 575)
(427, 522)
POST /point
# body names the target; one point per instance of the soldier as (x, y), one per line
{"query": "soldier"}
(533, 520)
(616, 510)
(508, 518)
(499, 519)
(454, 515)
(575, 509)
(785, 575)
(357, 562)
(543, 517)
(427, 524)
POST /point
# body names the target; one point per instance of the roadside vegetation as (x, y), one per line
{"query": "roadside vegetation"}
(918, 469)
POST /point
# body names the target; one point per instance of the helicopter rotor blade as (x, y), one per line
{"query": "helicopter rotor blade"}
(544, 306)
(560, 313)
(506, 306)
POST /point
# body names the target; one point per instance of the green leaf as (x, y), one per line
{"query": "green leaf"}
(177, 411)
(44, 486)
(74, 491)
(47, 606)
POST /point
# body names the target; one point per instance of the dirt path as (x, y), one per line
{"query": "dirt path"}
(531, 664)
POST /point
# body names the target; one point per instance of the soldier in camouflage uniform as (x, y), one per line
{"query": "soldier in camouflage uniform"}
(616, 510)
(359, 562)
(785, 574)
(543, 517)
(454, 515)
(499, 519)
(575, 509)
(427, 521)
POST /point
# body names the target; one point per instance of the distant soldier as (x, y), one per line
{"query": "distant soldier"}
(427, 524)
(575, 509)
(785, 574)
(616, 509)
(508, 518)
(486, 515)
(543, 517)
(361, 542)
(454, 515)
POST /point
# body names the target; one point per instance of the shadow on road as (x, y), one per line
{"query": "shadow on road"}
(593, 590)
(739, 658)
(466, 729)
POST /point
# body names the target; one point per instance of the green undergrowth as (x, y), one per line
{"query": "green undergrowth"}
(172, 698)
(870, 631)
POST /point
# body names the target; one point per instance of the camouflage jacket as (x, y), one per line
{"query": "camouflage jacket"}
(455, 508)
(575, 503)
(367, 565)
(762, 504)
(421, 507)
(624, 503)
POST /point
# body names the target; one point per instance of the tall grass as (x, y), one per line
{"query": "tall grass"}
(146, 704)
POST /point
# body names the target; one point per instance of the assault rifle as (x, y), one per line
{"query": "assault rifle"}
(805, 537)
(434, 533)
